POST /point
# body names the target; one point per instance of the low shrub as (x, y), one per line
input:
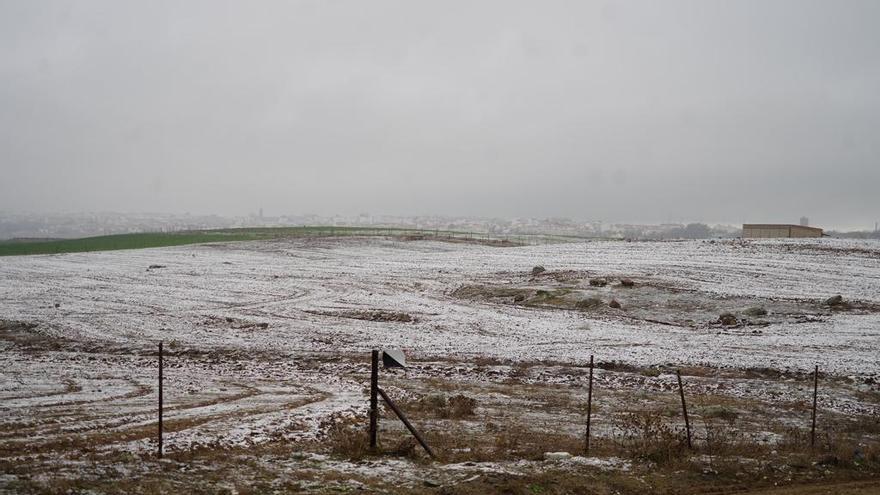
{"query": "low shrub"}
(646, 435)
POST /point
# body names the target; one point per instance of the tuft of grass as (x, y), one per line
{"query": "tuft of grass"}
(461, 406)
(348, 440)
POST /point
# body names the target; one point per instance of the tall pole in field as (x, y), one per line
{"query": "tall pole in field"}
(687, 423)
(160, 400)
(374, 399)
(815, 396)
(589, 406)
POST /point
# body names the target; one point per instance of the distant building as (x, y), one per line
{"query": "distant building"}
(771, 230)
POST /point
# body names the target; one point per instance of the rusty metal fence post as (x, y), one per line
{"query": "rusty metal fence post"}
(160, 400)
(589, 407)
(374, 399)
(815, 398)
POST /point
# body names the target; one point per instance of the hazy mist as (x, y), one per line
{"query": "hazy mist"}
(715, 111)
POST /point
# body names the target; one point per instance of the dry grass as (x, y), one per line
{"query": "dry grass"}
(662, 464)
(647, 435)
(440, 406)
(348, 440)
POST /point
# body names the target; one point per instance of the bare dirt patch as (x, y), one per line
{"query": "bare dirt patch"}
(370, 315)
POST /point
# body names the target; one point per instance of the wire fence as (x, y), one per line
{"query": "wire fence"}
(376, 391)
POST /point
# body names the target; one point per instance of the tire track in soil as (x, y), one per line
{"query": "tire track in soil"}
(146, 428)
(141, 391)
(140, 418)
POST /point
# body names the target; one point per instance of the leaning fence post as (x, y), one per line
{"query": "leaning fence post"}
(815, 396)
(374, 399)
(406, 423)
(687, 423)
(589, 406)
(160, 400)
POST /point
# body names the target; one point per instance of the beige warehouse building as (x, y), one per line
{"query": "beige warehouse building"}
(772, 230)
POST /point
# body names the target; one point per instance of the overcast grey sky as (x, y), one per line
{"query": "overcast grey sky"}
(717, 111)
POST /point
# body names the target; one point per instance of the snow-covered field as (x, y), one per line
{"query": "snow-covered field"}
(111, 300)
(264, 339)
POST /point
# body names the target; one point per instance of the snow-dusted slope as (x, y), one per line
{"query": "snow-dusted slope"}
(112, 300)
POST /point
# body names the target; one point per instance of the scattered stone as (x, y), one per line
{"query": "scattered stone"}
(519, 298)
(727, 319)
(57, 305)
(834, 301)
(556, 456)
(756, 311)
(614, 304)
(538, 270)
(598, 282)
(155, 267)
(625, 282)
